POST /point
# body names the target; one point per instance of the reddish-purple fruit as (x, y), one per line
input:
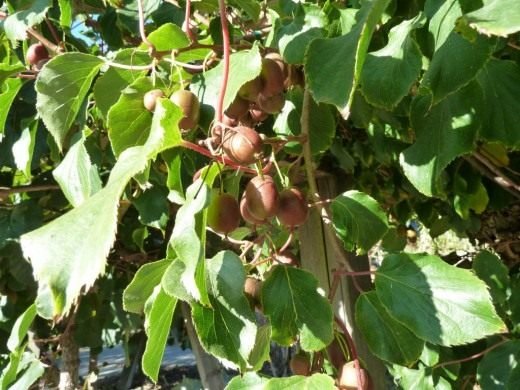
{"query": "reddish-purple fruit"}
(150, 98)
(257, 114)
(243, 145)
(348, 379)
(37, 67)
(238, 108)
(247, 215)
(273, 78)
(262, 197)
(190, 106)
(250, 90)
(300, 364)
(292, 208)
(276, 57)
(36, 52)
(223, 213)
(271, 104)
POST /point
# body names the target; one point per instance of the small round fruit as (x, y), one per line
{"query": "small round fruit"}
(271, 104)
(252, 290)
(276, 57)
(223, 213)
(243, 145)
(250, 90)
(348, 379)
(37, 67)
(247, 215)
(36, 52)
(190, 106)
(262, 197)
(286, 258)
(300, 364)
(238, 108)
(335, 354)
(150, 98)
(292, 208)
(273, 78)
(257, 114)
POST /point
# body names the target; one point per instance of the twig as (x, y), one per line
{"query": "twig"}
(187, 24)
(31, 188)
(472, 357)
(48, 44)
(225, 40)
(144, 38)
(352, 350)
(28, 76)
(514, 46)
(506, 180)
(53, 31)
(483, 169)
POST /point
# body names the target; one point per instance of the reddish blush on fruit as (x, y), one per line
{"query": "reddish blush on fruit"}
(243, 145)
(36, 52)
(246, 215)
(262, 197)
(292, 208)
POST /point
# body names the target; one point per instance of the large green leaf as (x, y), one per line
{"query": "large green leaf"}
(443, 132)
(251, 7)
(69, 253)
(443, 21)
(61, 87)
(500, 367)
(77, 177)
(227, 329)
(142, 285)
(249, 381)
(409, 378)
(7, 70)
(295, 308)
(440, 303)
(496, 17)
(168, 37)
(333, 65)
(389, 72)
(493, 271)
(358, 220)
(244, 66)
(252, 381)
(322, 124)
(386, 337)
(108, 87)
(128, 120)
(499, 80)
(158, 312)
(20, 328)
(445, 76)
(28, 14)
(9, 90)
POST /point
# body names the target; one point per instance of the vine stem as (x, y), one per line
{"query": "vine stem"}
(311, 178)
(207, 153)
(187, 25)
(352, 350)
(226, 49)
(472, 357)
(48, 44)
(31, 188)
(142, 31)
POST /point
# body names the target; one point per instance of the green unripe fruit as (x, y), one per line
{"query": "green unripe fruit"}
(150, 98)
(190, 106)
(262, 197)
(250, 90)
(223, 213)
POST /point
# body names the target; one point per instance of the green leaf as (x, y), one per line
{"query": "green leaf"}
(168, 37)
(492, 270)
(386, 337)
(334, 80)
(249, 381)
(496, 17)
(69, 253)
(7, 70)
(21, 327)
(128, 120)
(77, 177)
(23, 148)
(322, 124)
(250, 7)
(142, 285)
(295, 308)
(408, 378)
(108, 87)
(34, 370)
(260, 353)
(358, 220)
(298, 382)
(61, 87)
(440, 303)
(65, 13)
(8, 93)
(498, 80)
(443, 21)
(443, 132)
(389, 73)
(28, 14)
(158, 312)
(445, 76)
(227, 329)
(244, 66)
(153, 207)
(499, 366)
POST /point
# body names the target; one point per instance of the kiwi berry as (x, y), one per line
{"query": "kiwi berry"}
(247, 215)
(348, 379)
(271, 104)
(223, 213)
(262, 197)
(35, 53)
(300, 364)
(243, 145)
(150, 98)
(292, 207)
(273, 78)
(190, 106)
(250, 90)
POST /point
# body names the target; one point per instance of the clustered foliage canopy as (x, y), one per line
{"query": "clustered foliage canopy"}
(155, 154)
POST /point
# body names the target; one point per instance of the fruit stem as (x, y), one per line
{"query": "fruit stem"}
(288, 242)
(283, 178)
(259, 169)
(53, 31)
(226, 51)
(311, 178)
(352, 350)
(44, 41)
